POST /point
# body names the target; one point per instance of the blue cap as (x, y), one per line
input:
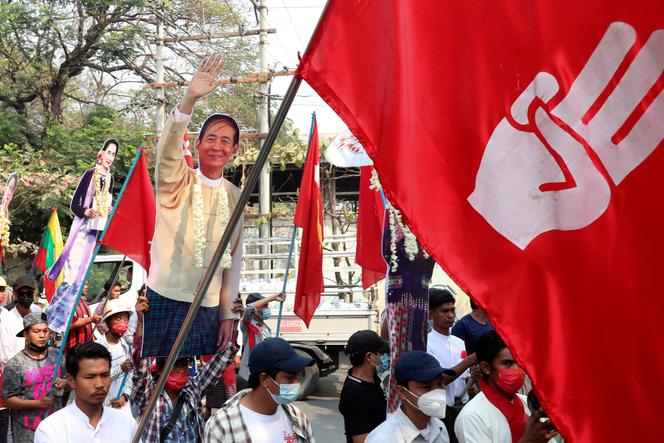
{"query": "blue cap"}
(418, 366)
(276, 353)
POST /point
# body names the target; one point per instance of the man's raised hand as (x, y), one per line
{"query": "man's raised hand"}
(202, 83)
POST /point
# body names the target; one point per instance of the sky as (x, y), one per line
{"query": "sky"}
(295, 21)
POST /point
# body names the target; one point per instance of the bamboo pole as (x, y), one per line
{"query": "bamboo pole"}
(254, 77)
(199, 37)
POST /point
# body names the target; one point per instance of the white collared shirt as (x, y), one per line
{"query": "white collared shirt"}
(399, 429)
(71, 425)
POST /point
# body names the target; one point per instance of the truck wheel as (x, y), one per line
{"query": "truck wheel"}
(310, 377)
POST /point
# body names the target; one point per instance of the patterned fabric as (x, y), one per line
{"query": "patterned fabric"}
(189, 425)
(163, 323)
(407, 305)
(227, 425)
(83, 334)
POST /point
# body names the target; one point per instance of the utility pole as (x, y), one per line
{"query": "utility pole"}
(264, 197)
(159, 77)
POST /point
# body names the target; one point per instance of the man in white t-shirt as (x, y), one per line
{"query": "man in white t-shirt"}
(498, 414)
(86, 419)
(265, 413)
(449, 350)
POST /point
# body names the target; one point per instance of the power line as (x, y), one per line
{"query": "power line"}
(293, 23)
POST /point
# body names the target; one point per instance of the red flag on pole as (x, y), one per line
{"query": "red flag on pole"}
(522, 142)
(132, 226)
(309, 217)
(369, 249)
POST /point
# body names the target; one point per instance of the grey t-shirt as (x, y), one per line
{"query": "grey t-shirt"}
(263, 331)
(29, 378)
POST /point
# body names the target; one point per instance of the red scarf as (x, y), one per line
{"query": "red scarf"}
(513, 411)
(253, 331)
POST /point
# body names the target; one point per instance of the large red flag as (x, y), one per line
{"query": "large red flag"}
(522, 141)
(369, 250)
(132, 226)
(309, 216)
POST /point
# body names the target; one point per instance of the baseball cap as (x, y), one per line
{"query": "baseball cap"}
(362, 342)
(24, 282)
(33, 318)
(276, 353)
(418, 366)
(220, 116)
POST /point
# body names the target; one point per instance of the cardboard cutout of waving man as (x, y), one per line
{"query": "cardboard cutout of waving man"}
(193, 209)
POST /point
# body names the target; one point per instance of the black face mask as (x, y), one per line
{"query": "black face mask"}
(37, 349)
(25, 299)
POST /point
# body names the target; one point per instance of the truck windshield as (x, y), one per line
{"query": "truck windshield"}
(102, 272)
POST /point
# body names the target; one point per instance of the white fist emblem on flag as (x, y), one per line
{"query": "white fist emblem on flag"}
(550, 168)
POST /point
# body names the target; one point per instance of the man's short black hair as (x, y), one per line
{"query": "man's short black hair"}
(489, 346)
(88, 350)
(225, 117)
(439, 295)
(473, 305)
(254, 379)
(357, 358)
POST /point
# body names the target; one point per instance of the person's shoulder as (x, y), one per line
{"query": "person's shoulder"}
(230, 187)
(457, 341)
(54, 421)
(383, 433)
(117, 417)
(476, 407)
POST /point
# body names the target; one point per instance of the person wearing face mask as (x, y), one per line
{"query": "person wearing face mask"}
(498, 414)
(28, 380)
(11, 322)
(420, 388)
(264, 413)
(362, 401)
(179, 415)
(253, 327)
(116, 317)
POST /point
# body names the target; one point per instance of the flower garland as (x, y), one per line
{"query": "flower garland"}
(411, 245)
(223, 214)
(4, 231)
(101, 192)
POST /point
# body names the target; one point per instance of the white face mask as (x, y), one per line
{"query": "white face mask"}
(432, 403)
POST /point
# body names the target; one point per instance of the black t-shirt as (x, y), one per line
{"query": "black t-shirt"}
(362, 404)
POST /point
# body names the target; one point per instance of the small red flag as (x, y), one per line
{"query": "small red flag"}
(186, 151)
(369, 249)
(132, 227)
(309, 216)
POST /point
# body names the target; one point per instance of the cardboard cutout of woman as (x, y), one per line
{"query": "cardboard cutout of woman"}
(91, 205)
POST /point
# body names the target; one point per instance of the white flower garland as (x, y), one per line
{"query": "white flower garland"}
(4, 231)
(223, 214)
(411, 245)
(101, 192)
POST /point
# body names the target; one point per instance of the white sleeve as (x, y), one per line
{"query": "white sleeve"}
(179, 116)
(469, 428)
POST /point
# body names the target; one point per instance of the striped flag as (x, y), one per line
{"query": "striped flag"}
(48, 253)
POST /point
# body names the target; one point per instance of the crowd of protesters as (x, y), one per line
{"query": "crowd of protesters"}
(465, 388)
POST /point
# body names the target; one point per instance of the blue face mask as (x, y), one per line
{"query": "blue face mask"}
(267, 313)
(384, 363)
(287, 393)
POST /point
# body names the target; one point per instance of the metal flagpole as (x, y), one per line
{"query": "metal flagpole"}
(221, 247)
(292, 242)
(90, 264)
(283, 289)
